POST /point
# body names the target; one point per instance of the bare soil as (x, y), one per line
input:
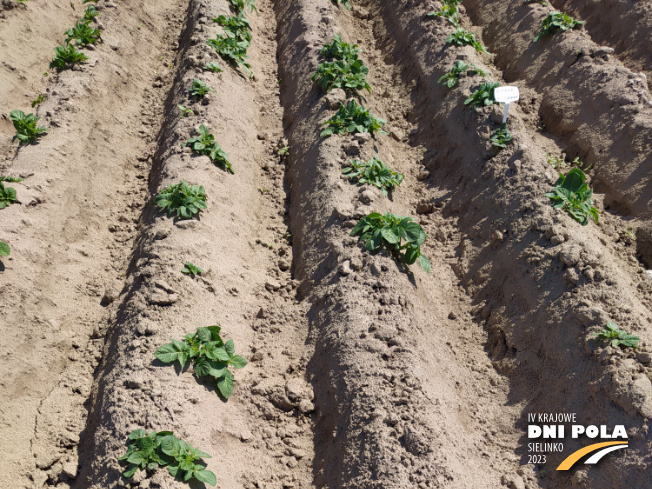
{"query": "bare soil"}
(363, 373)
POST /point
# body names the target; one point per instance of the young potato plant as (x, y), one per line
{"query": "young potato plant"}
(205, 144)
(90, 13)
(449, 12)
(212, 66)
(67, 56)
(451, 78)
(185, 111)
(82, 34)
(347, 75)
(374, 172)
(149, 451)
(183, 200)
(232, 51)
(346, 3)
(616, 337)
(209, 355)
(5, 250)
(501, 137)
(483, 96)
(238, 6)
(11, 179)
(7, 195)
(352, 119)
(199, 88)
(573, 194)
(379, 232)
(237, 27)
(338, 49)
(192, 270)
(27, 130)
(42, 97)
(557, 21)
(461, 37)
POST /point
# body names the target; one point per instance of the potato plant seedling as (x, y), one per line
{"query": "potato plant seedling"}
(235, 26)
(232, 51)
(572, 194)
(378, 232)
(483, 96)
(182, 200)
(11, 179)
(352, 119)
(27, 129)
(212, 66)
(67, 56)
(82, 34)
(347, 75)
(449, 12)
(192, 270)
(148, 451)
(557, 21)
(501, 137)
(39, 100)
(185, 111)
(5, 250)
(616, 337)
(374, 172)
(338, 49)
(451, 78)
(205, 144)
(7, 195)
(209, 354)
(90, 13)
(199, 88)
(461, 37)
(238, 6)
(345, 3)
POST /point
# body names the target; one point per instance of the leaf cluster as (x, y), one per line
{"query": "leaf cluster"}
(183, 200)
(374, 172)
(199, 88)
(572, 193)
(235, 26)
(448, 11)
(5, 250)
(11, 179)
(185, 111)
(212, 66)
(192, 270)
(209, 355)
(461, 37)
(7, 195)
(238, 6)
(83, 34)
(483, 96)
(42, 97)
(338, 49)
(205, 144)
(451, 78)
(617, 337)
(232, 50)
(557, 21)
(345, 74)
(90, 13)
(27, 130)
(149, 451)
(67, 56)
(352, 119)
(501, 137)
(379, 232)
(346, 3)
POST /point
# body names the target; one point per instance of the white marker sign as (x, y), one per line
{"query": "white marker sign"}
(506, 95)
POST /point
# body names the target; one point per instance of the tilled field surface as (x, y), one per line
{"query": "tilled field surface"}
(362, 372)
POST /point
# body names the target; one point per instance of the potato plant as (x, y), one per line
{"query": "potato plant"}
(209, 354)
(82, 34)
(483, 96)
(7, 195)
(572, 194)
(557, 21)
(501, 137)
(374, 172)
(192, 270)
(66, 57)
(378, 232)
(238, 6)
(352, 119)
(90, 13)
(232, 51)
(616, 337)
(182, 200)
(205, 144)
(148, 451)
(212, 66)
(42, 97)
(237, 27)
(199, 88)
(338, 49)
(5, 250)
(461, 37)
(27, 130)
(347, 75)
(450, 12)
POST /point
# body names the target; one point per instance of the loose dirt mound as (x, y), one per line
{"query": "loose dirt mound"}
(363, 372)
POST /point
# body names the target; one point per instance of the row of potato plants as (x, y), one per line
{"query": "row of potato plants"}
(401, 237)
(26, 125)
(571, 191)
(209, 355)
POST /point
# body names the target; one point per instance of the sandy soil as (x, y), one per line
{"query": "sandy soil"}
(362, 373)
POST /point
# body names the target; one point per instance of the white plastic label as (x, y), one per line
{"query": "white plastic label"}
(506, 95)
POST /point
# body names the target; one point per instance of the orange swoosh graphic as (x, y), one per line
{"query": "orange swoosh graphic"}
(575, 456)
